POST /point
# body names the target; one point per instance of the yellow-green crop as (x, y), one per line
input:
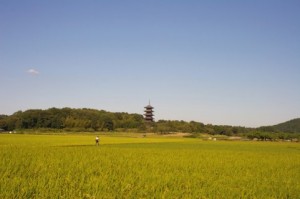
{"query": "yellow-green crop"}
(71, 166)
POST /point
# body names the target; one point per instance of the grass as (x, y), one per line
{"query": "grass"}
(71, 166)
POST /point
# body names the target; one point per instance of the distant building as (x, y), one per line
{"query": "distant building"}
(149, 113)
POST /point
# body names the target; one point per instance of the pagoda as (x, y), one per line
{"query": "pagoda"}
(149, 113)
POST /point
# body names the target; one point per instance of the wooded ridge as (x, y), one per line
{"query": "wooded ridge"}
(92, 120)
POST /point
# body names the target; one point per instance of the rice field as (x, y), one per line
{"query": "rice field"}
(71, 166)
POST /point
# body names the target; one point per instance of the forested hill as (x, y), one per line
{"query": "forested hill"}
(70, 119)
(91, 120)
(292, 126)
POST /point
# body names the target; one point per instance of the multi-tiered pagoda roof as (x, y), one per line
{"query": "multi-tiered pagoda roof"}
(149, 113)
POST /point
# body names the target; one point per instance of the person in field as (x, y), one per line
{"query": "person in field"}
(97, 140)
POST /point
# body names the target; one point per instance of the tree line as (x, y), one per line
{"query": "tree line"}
(100, 120)
(70, 119)
(76, 120)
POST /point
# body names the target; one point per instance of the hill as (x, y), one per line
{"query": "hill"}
(92, 120)
(292, 126)
(70, 119)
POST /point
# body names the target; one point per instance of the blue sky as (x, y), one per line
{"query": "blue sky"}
(220, 62)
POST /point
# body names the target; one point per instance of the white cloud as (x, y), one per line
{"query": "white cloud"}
(33, 72)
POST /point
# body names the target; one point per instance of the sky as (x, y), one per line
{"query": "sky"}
(217, 62)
